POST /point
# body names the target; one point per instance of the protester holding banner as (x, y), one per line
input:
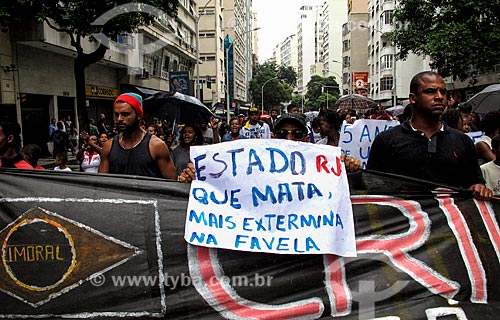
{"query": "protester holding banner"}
(134, 151)
(290, 126)
(426, 148)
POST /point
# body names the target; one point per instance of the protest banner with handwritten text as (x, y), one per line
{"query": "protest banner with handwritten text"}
(356, 139)
(275, 196)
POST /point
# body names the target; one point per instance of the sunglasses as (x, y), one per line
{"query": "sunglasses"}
(296, 134)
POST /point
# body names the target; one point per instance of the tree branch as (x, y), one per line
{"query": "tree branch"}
(56, 28)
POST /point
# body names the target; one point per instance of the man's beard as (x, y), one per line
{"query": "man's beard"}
(130, 128)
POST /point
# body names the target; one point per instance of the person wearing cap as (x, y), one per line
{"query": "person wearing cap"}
(254, 128)
(290, 126)
(134, 151)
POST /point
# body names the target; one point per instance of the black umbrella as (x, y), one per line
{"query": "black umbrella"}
(177, 107)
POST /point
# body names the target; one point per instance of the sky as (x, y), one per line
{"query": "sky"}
(277, 20)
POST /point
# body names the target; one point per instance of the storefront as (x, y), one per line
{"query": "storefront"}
(100, 101)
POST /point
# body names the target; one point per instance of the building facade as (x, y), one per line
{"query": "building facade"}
(389, 78)
(212, 61)
(354, 60)
(40, 83)
(239, 33)
(309, 44)
(334, 16)
(277, 54)
(289, 52)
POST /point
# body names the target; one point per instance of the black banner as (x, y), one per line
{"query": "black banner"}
(98, 246)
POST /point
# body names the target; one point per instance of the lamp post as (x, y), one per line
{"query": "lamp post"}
(344, 65)
(262, 94)
(228, 110)
(197, 93)
(323, 90)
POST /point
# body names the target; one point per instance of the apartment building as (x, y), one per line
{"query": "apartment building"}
(211, 71)
(239, 32)
(333, 17)
(309, 47)
(354, 60)
(289, 52)
(277, 54)
(389, 78)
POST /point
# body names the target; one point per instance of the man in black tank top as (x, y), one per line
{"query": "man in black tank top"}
(134, 151)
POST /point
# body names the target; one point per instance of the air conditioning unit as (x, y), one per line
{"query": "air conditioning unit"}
(126, 40)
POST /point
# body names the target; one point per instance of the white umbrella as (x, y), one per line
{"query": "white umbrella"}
(487, 100)
(396, 110)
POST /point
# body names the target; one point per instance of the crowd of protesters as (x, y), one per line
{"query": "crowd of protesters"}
(131, 146)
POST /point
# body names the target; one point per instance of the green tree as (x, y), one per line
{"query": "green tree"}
(322, 91)
(75, 18)
(278, 85)
(461, 36)
(298, 99)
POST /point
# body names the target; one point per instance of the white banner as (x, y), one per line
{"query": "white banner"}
(273, 195)
(475, 135)
(356, 139)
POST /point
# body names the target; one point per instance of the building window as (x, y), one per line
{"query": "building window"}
(345, 45)
(207, 35)
(386, 83)
(386, 18)
(152, 64)
(345, 62)
(386, 62)
(206, 11)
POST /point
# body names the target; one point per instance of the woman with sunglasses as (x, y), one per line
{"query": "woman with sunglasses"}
(293, 127)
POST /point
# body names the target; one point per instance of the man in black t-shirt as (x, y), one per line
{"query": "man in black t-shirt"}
(61, 140)
(424, 147)
(134, 151)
